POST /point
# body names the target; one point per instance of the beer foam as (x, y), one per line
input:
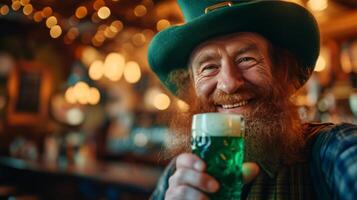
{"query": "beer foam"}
(217, 124)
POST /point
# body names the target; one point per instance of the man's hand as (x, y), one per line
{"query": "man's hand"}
(190, 180)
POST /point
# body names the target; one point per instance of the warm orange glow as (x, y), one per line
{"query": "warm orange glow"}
(118, 25)
(37, 17)
(47, 11)
(346, 63)
(81, 12)
(28, 9)
(24, 2)
(73, 33)
(320, 64)
(183, 106)
(93, 96)
(138, 39)
(89, 55)
(95, 18)
(51, 21)
(96, 70)
(109, 33)
(140, 10)
(99, 36)
(103, 12)
(161, 101)
(113, 66)
(55, 31)
(162, 24)
(81, 90)
(132, 73)
(69, 96)
(98, 4)
(16, 5)
(317, 5)
(96, 43)
(4, 10)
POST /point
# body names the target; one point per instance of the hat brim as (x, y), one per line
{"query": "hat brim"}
(284, 24)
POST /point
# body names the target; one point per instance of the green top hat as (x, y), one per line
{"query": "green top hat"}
(285, 24)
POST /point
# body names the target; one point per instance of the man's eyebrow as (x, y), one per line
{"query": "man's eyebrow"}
(248, 48)
(205, 57)
(211, 55)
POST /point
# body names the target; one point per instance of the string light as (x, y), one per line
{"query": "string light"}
(24, 2)
(140, 10)
(113, 66)
(138, 39)
(96, 70)
(72, 33)
(47, 11)
(28, 9)
(51, 21)
(55, 31)
(81, 92)
(4, 10)
(89, 55)
(132, 73)
(161, 101)
(317, 5)
(104, 12)
(16, 5)
(69, 96)
(320, 64)
(162, 24)
(81, 12)
(93, 96)
(183, 106)
(118, 25)
(37, 17)
(98, 4)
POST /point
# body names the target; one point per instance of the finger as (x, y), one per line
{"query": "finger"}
(185, 192)
(250, 171)
(199, 180)
(189, 160)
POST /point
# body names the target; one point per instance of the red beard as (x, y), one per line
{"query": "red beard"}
(273, 128)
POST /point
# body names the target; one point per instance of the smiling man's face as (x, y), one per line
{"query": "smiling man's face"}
(233, 72)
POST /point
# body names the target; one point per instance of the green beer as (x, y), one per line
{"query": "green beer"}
(218, 140)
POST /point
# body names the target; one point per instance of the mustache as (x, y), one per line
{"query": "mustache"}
(245, 92)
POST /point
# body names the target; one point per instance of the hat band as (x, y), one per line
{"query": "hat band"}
(218, 5)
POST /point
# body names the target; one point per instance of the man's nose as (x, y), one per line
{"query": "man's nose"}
(230, 78)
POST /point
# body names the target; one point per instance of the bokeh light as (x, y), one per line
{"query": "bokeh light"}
(51, 21)
(81, 12)
(104, 12)
(4, 10)
(28, 9)
(96, 70)
(140, 10)
(93, 96)
(132, 73)
(162, 24)
(55, 31)
(183, 106)
(161, 101)
(113, 66)
(70, 96)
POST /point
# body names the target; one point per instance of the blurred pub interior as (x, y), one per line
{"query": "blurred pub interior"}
(82, 116)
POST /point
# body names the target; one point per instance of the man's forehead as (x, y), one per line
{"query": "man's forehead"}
(243, 39)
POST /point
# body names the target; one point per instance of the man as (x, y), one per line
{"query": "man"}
(249, 58)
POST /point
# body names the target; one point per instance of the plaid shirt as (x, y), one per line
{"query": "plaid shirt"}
(330, 173)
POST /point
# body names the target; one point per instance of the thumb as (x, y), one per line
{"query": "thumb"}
(250, 171)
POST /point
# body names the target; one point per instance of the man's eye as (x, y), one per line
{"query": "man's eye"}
(245, 59)
(209, 67)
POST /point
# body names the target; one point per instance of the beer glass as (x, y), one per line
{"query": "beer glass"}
(218, 139)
